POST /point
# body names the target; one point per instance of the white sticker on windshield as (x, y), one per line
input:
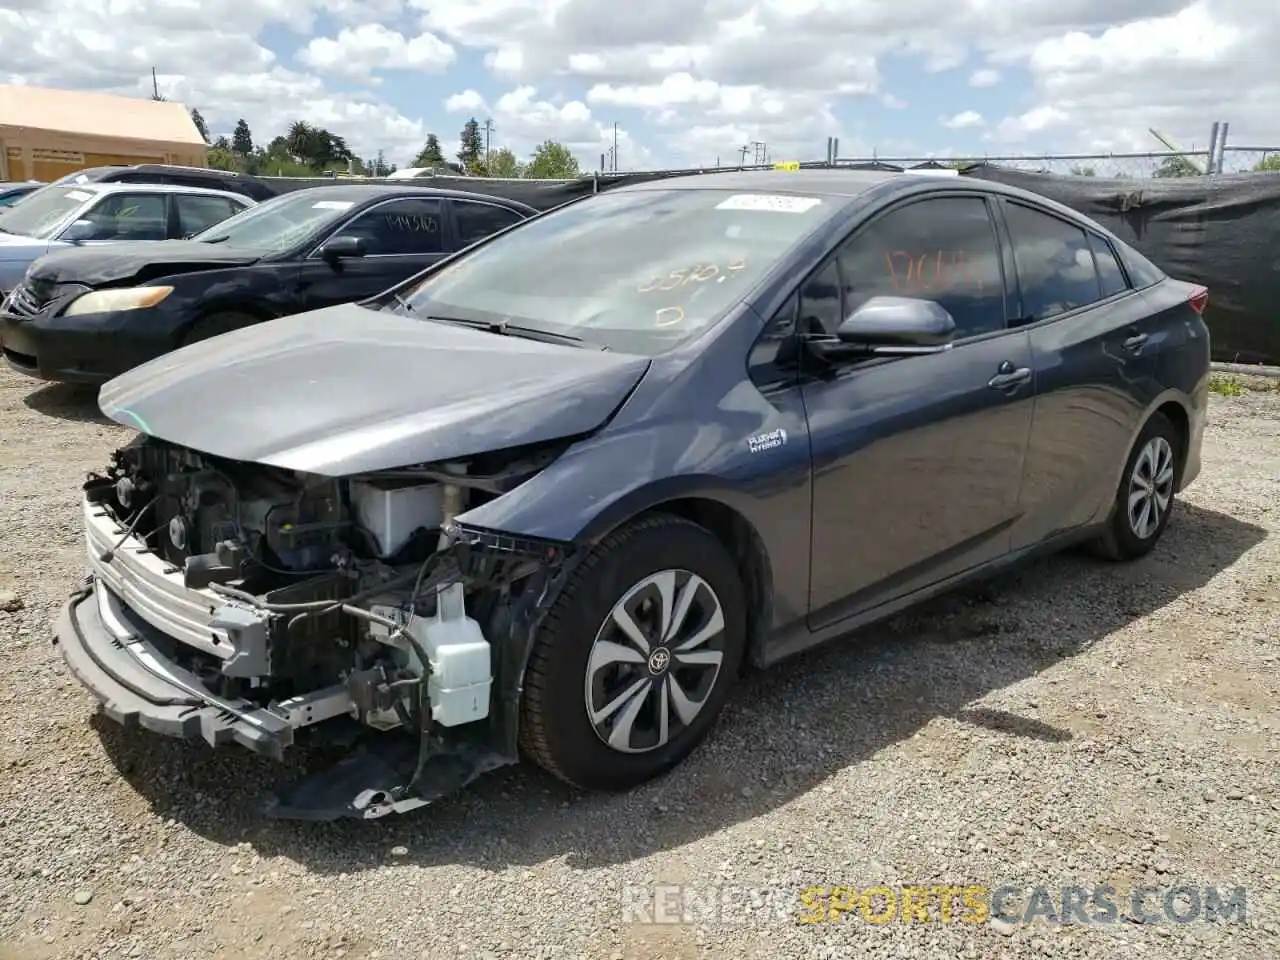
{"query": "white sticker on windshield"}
(79, 195)
(333, 205)
(770, 203)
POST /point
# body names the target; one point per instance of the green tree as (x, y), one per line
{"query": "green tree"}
(221, 158)
(471, 153)
(1269, 164)
(201, 128)
(430, 155)
(315, 147)
(552, 161)
(1178, 166)
(242, 139)
(503, 163)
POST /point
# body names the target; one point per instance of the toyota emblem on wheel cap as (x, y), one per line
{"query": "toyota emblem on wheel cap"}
(659, 660)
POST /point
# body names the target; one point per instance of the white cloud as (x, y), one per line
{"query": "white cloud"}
(358, 51)
(522, 119)
(694, 79)
(966, 120)
(203, 58)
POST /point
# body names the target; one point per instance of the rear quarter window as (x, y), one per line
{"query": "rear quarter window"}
(1142, 272)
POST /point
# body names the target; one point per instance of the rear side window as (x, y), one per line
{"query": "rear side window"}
(1142, 272)
(1110, 276)
(477, 220)
(942, 249)
(1055, 263)
(197, 213)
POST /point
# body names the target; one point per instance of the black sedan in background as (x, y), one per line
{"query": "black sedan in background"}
(87, 314)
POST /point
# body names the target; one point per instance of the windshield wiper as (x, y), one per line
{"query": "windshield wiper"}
(506, 328)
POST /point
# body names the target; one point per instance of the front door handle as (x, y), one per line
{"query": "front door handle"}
(1136, 342)
(1009, 377)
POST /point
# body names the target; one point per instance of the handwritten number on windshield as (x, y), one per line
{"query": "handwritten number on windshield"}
(668, 316)
(699, 273)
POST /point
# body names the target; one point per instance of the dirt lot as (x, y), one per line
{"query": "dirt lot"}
(1072, 724)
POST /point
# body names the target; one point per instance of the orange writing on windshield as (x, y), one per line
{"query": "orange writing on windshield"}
(914, 273)
(698, 273)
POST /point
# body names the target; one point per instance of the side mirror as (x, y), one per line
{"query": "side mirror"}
(892, 326)
(79, 231)
(339, 248)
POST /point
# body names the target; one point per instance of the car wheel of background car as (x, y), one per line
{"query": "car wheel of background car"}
(216, 323)
(636, 657)
(1145, 498)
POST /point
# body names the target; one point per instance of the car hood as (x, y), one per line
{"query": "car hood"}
(14, 246)
(348, 389)
(113, 263)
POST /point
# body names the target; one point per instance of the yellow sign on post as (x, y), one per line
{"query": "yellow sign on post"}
(788, 165)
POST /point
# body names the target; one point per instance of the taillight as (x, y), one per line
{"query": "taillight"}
(1199, 299)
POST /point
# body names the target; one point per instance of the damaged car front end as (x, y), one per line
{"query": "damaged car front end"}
(232, 602)
(309, 580)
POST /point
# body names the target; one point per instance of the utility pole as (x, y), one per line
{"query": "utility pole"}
(615, 146)
(488, 129)
(742, 161)
(155, 85)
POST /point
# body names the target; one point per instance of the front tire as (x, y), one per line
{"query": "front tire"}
(1145, 498)
(216, 324)
(636, 657)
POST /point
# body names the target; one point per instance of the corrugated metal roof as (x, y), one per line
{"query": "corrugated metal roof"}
(98, 114)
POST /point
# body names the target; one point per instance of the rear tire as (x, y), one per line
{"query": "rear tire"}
(636, 657)
(1145, 497)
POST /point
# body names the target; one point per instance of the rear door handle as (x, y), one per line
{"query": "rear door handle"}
(1009, 377)
(1136, 342)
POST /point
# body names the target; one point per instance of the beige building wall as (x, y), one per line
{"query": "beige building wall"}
(46, 134)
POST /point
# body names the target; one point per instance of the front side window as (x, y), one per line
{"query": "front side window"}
(43, 212)
(281, 222)
(636, 270)
(413, 225)
(128, 216)
(1055, 263)
(477, 220)
(944, 250)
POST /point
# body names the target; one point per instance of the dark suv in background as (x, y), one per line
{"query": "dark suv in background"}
(205, 177)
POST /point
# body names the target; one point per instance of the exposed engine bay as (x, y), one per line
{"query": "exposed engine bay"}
(283, 607)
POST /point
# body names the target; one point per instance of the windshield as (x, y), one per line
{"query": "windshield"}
(278, 223)
(42, 212)
(636, 271)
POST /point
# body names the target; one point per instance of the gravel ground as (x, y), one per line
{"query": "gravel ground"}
(1074, 723)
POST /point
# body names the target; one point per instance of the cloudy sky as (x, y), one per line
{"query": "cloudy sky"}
(686, 81)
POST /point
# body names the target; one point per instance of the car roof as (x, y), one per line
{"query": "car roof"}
(823, 182)
(358, 192)
(106, 188)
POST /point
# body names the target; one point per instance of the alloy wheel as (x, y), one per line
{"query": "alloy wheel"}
(655, 661)
(1150, 487)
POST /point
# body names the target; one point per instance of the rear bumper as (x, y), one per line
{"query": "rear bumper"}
(109, 653)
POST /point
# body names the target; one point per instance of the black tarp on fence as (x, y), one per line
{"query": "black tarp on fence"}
(1222, 231)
